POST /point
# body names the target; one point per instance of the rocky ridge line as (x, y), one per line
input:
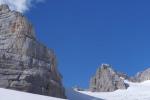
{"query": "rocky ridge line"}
(107, 80)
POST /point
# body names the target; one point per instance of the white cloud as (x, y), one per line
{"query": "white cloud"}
(20, 5)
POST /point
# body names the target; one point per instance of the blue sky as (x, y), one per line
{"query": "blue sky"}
(87, 33)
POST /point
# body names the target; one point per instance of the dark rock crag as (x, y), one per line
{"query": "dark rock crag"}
(26, 64)
(107, 80)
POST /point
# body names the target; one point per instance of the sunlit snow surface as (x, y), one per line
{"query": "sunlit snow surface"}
(6, 94)
(136, 91)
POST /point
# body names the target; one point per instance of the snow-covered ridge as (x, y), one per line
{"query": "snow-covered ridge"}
(136, 91)
(6, 94)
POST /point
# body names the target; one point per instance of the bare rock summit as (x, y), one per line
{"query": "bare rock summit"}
(107, 80)
(142, 76)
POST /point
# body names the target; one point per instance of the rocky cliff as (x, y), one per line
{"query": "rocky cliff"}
(107, 80)
(142, 76)
(26, 64)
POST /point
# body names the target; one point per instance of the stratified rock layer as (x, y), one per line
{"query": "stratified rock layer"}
(26, 64)
(107, 80)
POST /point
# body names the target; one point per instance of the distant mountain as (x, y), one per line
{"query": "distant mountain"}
(25, 63)
(107, 80)
(143, 75)
(135, 91)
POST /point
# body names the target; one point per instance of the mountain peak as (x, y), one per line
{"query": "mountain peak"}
(105, 66)
(106, 80)
(4, 8)
(143, 75)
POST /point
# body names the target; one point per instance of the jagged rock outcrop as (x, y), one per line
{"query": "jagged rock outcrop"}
(107, 80)
(26, 64)
(142, 76)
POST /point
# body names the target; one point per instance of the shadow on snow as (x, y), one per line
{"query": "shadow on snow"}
(74, 95)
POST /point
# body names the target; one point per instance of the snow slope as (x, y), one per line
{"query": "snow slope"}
(75, 95)
(136, 91)
(6, 94)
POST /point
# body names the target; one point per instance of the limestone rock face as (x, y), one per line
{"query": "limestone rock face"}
(107, 80)
(26, 64)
